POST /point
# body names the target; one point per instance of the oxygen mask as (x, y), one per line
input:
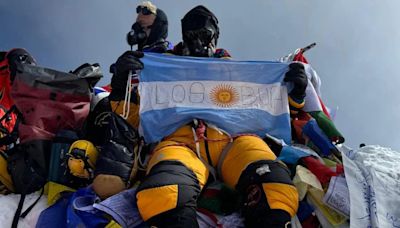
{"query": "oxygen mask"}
(199, 43)
(137, 35)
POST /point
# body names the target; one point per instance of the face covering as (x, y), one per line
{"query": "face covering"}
(199, 32)
(137, 35)
(199, 43)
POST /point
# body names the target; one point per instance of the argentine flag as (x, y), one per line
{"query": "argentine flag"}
(237, 96)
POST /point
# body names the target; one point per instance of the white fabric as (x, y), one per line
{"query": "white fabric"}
(271, 98)
(310, 72)
(97, 95)
(233, 220)
(223, 93)
(9, 204)
(337, 196)
(312, 103)
(313, 90)
(373, 177)
(204, 220)
(314, 78)
(296, 222)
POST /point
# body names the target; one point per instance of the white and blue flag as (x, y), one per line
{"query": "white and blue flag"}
(237, 96)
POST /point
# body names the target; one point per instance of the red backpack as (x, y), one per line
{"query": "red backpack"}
(5, 83)
(51, 100)
(8, 112)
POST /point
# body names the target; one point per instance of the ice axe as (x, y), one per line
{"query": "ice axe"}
(304, 49)
(292, 55)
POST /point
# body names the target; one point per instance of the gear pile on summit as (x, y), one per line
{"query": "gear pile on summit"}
(184, 136)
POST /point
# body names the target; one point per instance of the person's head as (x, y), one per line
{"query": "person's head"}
(151, 26)
(200, 32)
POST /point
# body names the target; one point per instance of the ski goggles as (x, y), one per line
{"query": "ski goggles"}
(144, 10)
(204, 34)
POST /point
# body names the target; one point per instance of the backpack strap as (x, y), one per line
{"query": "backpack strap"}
(26, 212)
(221, 159)
(19, 214)
(197, 152)
(18, 211)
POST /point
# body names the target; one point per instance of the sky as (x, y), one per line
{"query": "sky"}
(356, 57)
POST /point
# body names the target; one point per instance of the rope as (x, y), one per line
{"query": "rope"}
(198, 136)
(142, 164)
(135, 166)
(199, 133)
(127, 99)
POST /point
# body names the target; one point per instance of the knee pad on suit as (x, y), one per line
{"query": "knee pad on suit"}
(267, 189)
(174, 179)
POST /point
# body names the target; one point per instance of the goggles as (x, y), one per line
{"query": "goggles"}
(205, 35)
(81, 154)
(144, 10)
(78, 153)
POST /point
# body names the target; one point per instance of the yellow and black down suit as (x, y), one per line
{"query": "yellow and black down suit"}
(176, 176)
(183, 162)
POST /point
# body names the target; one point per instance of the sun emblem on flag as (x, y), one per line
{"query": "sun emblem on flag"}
(224, 95)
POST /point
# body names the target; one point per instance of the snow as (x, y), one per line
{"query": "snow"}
(382, 162)
(8, 206)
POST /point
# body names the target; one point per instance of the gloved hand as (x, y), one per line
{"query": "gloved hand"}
(129, 61)
(116, 165)
(297, 75)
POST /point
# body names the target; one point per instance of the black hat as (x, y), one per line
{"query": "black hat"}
(159, 29)
(200, 17)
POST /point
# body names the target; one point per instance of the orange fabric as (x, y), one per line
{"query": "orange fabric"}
(295, 104)
(282, 196)
(5, 177)
(133, 118)
(149, 205)
(217, 142)
(245, 150)
(183, 155)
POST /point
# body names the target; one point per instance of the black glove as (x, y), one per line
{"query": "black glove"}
(115, 165)
(297, 75)
(129, 61)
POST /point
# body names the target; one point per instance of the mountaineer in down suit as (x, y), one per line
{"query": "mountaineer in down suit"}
(179, 168)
